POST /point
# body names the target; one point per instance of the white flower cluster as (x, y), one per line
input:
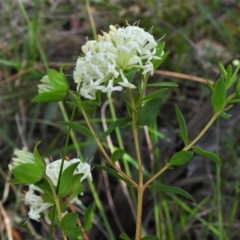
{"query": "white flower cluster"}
(113, 54)
(36, 203)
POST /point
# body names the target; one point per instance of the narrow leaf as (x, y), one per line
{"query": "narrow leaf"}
(163, 84)
(182, 125)
(181, 158)
(117, 154)
(155, 94)
(149, 112)
(210, 155)
(88, 217)
(118, 123)
(219, 95)
(83, 130)
(170, 189)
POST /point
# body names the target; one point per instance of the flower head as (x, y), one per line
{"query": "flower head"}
(35, 201)
(114, 53)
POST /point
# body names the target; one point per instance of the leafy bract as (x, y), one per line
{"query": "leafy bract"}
(57, 80)
(39, 159)
(66, 180)
(28, 173)
(53, 96)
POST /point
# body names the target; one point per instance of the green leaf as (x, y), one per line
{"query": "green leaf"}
(155, 94)
(66, 180)
(14, 181)
(47, 198)
(76, 188)
(163, 84)
(44, 185)
(118, 123)
(112, 172)
(27, 173)
(69, 225)
(170, 189)
(181, 158)
(222, 70)
(83, 130)
(210, 155)
(124, 236)
(151, 237)
(149, 111)
(88, 217)
(57, 80)
(219, 95)
(117, 154)
(182, 125)
(39, 159)
(53, 96)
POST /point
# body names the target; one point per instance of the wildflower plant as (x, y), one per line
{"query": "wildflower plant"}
(106, 65)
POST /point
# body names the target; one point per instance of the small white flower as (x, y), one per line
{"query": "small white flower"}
(113, 54)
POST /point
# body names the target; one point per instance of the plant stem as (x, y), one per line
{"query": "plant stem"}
(99, 144)
(167, 166)
(209, 124)
(140, 187)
